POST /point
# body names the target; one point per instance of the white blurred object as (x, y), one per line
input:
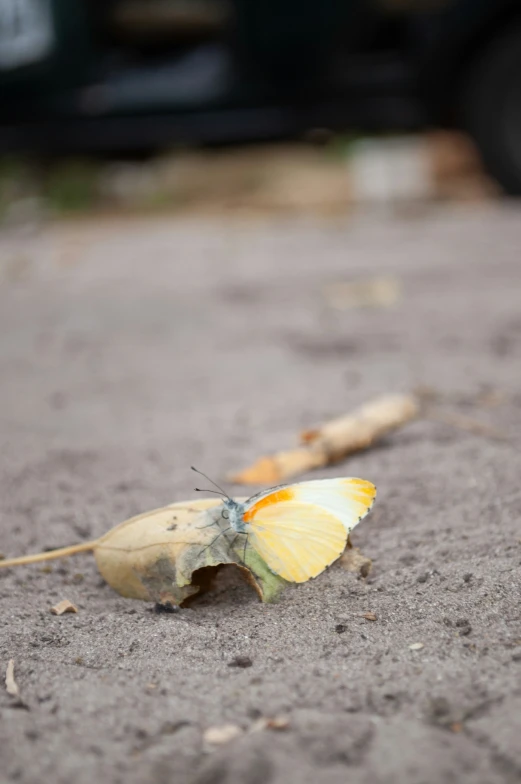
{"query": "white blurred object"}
(127, 184)
(25, 216)
(26, 32)
(384, 171)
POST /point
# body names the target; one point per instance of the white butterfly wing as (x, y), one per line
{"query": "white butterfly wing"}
(301, 529)
(348, 498)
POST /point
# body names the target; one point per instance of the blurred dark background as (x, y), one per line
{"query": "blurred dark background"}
(132, 78)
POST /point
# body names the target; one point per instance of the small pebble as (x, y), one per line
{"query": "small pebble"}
(217, 736)
(62, 607)
(240, 661)
(439, 708)
(167, 607)
(463, 626)
(416, 646)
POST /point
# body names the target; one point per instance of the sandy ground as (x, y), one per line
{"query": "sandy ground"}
(129, 351)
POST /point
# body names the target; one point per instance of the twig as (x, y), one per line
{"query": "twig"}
(334, 440)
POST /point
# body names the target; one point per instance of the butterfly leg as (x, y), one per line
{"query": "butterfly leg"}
(210, 525)
(233, 541)
(215, 539)
(245, 545)
(202, 527)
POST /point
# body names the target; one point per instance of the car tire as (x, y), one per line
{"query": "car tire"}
(491, 108)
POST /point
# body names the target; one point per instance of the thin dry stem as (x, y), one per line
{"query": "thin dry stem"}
(62, 552)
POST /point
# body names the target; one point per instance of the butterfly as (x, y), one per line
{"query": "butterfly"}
(300, 529)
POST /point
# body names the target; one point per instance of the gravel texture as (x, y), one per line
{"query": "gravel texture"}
(132, 349)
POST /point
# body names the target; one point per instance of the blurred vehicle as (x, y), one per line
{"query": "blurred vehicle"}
(137, 75)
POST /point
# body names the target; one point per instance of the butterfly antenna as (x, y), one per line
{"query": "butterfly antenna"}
(212, 482)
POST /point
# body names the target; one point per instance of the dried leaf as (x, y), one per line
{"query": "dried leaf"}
(172, 553)
(218, 736)
(64, 606)
(10, 683)
(168, 555)
(333, 441)
(355, 562)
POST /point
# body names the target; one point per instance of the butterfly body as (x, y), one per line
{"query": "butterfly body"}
(236, 511)
(300, 529)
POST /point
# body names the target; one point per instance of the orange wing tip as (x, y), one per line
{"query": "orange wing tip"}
(278, 497)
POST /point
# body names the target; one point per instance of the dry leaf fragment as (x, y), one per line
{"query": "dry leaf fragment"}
(277, 723)
(218, 736)
(369, 616)
(355, 562)
(416, 646)
(333, 441)
(10, 683)
(64, 606)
